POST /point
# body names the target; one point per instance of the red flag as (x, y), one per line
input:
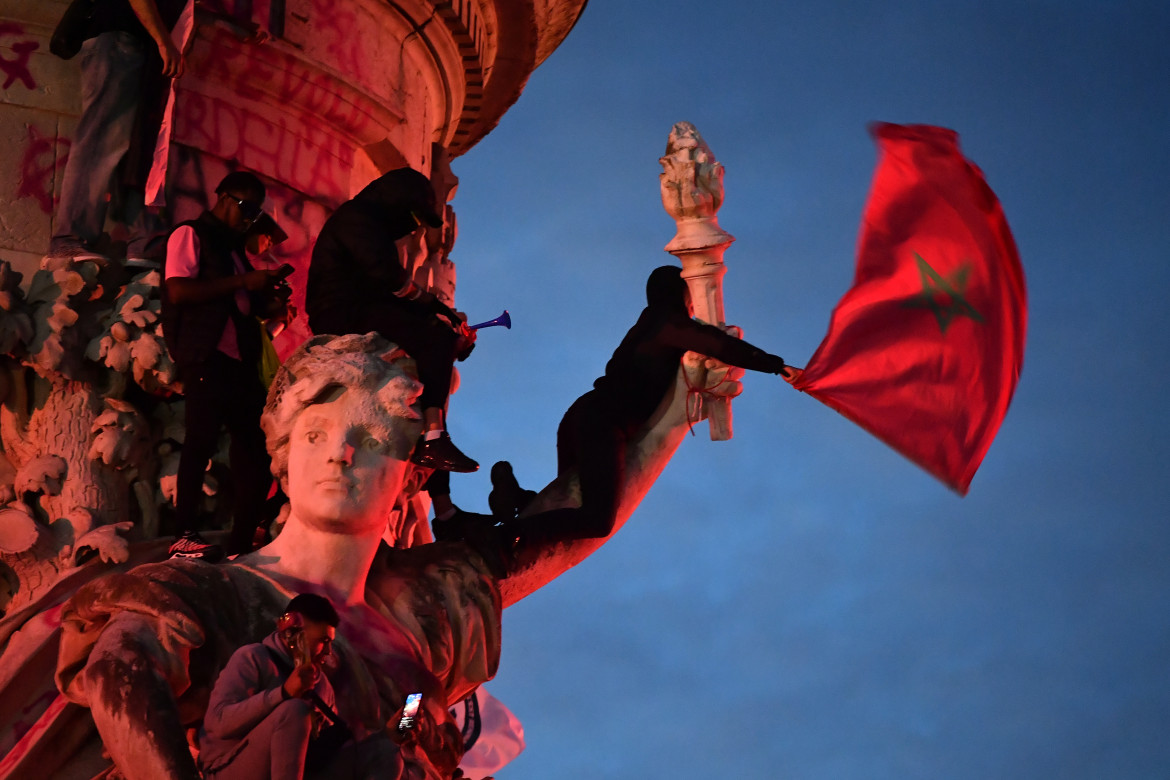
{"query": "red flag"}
(925, 349)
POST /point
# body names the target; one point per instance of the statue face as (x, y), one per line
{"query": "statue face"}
(345, 467)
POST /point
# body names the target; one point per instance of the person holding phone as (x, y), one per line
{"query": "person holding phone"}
(210, 300)
(264, 712)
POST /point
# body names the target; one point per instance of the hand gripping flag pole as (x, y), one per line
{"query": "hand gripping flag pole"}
(925, 350)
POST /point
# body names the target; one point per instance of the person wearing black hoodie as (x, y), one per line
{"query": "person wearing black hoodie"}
(595, 431)
(357, 284)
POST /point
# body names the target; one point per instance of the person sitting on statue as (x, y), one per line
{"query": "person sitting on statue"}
(594, 433)
(209, 296)
(141, 648)
(357, 283)
(268, 703)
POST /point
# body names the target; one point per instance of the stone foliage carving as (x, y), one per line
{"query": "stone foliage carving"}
(73, 344)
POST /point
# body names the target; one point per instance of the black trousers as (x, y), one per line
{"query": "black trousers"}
(592, 440)
(223, 392)
(431, 343)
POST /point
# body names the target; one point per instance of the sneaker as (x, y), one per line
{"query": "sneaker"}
(142, 264)
(192, 545)
(441, 453)
(75, 251)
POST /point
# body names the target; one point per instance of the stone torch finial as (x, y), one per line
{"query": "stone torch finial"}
(692, 192)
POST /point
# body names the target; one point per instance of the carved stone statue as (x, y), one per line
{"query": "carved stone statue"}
(692, 192)
(72, 346)
(140, 648)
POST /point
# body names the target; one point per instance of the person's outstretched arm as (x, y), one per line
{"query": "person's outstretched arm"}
(713, 342)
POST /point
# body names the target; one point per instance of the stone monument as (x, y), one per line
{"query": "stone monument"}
(692, 192)
(107, 651)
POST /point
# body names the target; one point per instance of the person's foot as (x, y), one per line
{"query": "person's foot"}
(75, 250)
(507, 498)
(142, 264)
(192, 545)
(441, 453)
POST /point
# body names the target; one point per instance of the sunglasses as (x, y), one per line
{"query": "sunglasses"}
(249, 209)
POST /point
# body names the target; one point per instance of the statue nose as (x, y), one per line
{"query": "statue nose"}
(343, 453)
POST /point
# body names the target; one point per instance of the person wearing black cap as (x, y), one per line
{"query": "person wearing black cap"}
(357, 284)
(208, 297)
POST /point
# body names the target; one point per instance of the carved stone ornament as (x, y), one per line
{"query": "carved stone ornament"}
(692, 192)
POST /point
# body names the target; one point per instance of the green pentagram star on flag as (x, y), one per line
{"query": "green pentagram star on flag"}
(938, 401)
(942, 296)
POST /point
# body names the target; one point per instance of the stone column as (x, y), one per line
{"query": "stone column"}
(692, 192)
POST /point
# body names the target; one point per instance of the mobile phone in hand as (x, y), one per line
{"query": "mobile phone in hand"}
(410, 711)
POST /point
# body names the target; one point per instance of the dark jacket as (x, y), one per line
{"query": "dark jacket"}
(192, 330)
(355, 267)
(645, 364)
(245, 693)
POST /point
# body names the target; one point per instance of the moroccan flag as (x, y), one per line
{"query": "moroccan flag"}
(925, 349)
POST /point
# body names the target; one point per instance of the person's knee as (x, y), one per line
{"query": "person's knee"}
(293, 716)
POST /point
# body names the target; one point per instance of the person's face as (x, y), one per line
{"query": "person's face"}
(318, 640)
(345, 466)
(258, 243)
(241, 210)
(412, 248)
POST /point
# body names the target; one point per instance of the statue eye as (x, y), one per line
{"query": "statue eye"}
(370, 444)
(314, 436)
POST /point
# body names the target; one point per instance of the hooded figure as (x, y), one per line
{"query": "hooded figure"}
(594, 432)
(358, 284)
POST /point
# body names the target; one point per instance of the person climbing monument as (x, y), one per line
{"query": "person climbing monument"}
(358, 284)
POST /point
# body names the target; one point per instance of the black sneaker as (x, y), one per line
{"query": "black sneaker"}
(441, 453)
(192, 545)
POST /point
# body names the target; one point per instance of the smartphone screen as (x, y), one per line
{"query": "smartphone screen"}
(410, 711)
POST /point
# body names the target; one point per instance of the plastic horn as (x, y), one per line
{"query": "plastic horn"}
(503, 319)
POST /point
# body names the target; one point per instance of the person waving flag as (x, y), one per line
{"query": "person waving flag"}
(925, 350)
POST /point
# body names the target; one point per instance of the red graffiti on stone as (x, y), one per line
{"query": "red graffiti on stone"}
(16, 67)
(306, 156)
(341, 30)
(43, 155)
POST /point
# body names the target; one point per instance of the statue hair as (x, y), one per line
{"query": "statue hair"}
(326, 364)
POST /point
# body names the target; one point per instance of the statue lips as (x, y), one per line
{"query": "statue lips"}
(338, 482)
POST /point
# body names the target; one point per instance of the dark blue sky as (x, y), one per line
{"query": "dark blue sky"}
(801, 602)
